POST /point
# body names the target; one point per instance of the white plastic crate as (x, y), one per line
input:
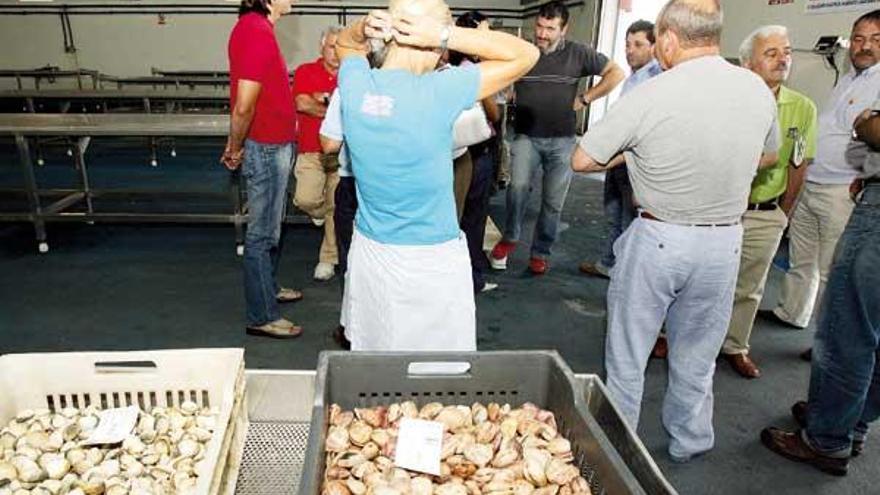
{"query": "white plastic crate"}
(209, 377)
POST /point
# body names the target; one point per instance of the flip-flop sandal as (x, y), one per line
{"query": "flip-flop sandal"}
(275, 332)
(286, 295)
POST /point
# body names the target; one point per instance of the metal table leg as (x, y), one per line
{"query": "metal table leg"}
(30, 184)
(81, 146)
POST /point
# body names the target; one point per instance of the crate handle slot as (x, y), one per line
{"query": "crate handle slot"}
(125, 366)
(435, 368)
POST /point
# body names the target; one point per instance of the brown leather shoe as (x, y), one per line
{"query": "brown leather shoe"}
(593, 269)
(791, 445)
(799, 413)
(661, 348)
(743, 364)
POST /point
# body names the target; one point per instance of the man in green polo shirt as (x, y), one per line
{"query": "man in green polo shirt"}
(767, 52)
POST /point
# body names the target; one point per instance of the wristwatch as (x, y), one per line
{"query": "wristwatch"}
(444, 37)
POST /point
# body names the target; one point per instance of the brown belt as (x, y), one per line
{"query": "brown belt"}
(645, 214)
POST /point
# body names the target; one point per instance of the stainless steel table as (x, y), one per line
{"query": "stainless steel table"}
(82, 128)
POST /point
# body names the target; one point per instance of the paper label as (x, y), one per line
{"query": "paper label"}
(419, 443)
(114, 425)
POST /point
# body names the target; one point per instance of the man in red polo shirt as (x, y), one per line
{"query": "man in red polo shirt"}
(316, 174)
(261, 140)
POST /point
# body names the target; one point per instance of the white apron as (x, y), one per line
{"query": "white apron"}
(409, 298)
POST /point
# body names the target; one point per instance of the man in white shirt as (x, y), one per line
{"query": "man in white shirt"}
(825, 205)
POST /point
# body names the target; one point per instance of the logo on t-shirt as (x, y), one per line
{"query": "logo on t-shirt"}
(377, 105)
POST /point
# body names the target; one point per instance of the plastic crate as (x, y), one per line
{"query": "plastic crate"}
(208, 377)
(541, 377)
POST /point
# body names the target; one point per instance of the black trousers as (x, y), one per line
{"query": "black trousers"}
(343, 216)
(476, 211)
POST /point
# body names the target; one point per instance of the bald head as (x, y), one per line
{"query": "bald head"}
(430, 8)
(697, 23)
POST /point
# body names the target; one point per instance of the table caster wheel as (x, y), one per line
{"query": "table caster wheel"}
(173, 153)
(41, 162)
(43, 247)
(239, 250)
(154, 163)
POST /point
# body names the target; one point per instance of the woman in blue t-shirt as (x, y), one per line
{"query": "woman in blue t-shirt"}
(409, 286)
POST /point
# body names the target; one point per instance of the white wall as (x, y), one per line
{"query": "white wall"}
(809, 74)
(129, 45)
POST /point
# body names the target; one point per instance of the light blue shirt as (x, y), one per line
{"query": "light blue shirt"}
(852, 95)
(398, 129)
(331, 128)
(646, 72)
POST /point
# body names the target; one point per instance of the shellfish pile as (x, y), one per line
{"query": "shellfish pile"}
(46, 453)
(486, 450)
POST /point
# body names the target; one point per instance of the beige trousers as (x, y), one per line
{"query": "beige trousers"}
(762, 231)
(316, 180)
(816, 225)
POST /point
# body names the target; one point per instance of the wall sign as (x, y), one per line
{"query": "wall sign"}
(826, 6)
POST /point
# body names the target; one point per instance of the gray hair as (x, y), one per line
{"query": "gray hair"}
(746, 49)
(330, 30)
(694, 22)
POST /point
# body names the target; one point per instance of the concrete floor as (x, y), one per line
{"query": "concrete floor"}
(106, 287)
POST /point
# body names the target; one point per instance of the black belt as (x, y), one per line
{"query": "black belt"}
(645, 214)
(765, 206)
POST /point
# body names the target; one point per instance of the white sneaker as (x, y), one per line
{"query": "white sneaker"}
(324, 271)
(488, 287)
(498, 264)
(319, 222)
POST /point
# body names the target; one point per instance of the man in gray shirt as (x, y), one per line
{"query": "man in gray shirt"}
(693, 138)
(545, 121)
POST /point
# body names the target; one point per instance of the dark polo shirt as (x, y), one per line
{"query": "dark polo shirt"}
(544, 96)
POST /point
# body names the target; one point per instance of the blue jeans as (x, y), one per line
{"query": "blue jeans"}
(619, 209)
(553, 156)
(845, 379)
(266, 171)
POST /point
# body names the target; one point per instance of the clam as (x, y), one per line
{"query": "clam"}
(24, 415)
(133, 445)
(189, 447)
(53, 487)
(336, 473)
(56, 465)
(370, 451)
(7, 439)
(505, 457)
(383, 490)
(421, 486)
(409, 409)
(357, 487)
(359, 432)
(394, 413)
(536, 461)
(430, 410)
(522, 487)
(560, 472)
(464, 470)
(547, 490)
(337, 439)
(486, 432)
(508, 428)
(206, 421)
(189, 407)
(36, 439)
(361, 471)
(473, 487)
(451, 489)
(28, 470)
(7, 472)
(453, 417)
(335, 487)
(350, 460)
(579, 485)
(375, 417)
(479, 453)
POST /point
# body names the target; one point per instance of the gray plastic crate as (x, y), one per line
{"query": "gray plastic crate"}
(542, 377)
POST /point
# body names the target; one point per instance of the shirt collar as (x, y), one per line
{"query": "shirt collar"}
(786, 96)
